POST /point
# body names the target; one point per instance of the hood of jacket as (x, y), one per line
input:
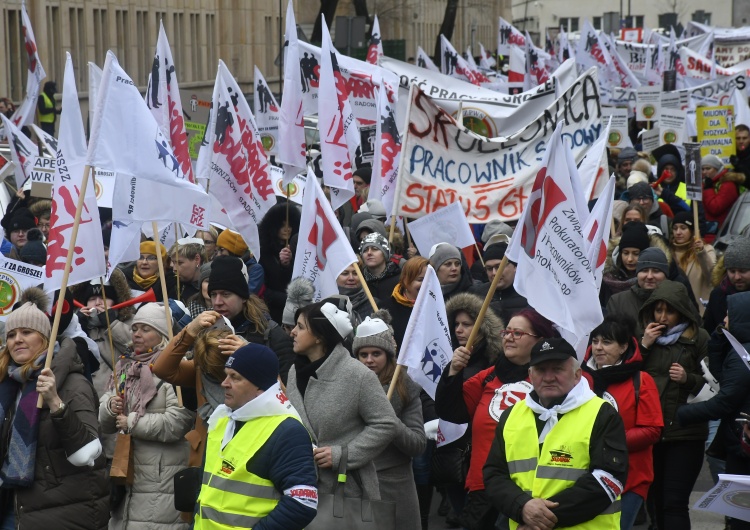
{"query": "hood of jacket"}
(738, 309)
(490, 327)
(676, 295)
(272, 222)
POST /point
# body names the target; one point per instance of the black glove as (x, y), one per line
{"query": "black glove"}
(708, 183)
(102, 319)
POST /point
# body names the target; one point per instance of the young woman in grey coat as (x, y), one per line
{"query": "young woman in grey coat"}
(375, 347)
(340, 401)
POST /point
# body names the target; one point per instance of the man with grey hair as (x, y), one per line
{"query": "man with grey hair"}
(559, 458)
(737, 280)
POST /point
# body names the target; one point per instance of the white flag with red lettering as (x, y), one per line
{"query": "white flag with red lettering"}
(454, 65)
(427, 349)
(425, 61)
(339, 134)
(126, 139)
(292, 146)
(266, 114)
(88, 258)
(323, 250)
(22, 150)
(486, 60)
(163, 98)
(27, 109)
(387, 153)
(596, 229)
(554, 271)
(235, 161)
(375, 48)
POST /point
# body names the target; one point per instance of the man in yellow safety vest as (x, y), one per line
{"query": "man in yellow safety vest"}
(46, 108)
(559, 457)
(259, 471)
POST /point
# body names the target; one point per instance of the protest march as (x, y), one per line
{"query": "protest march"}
(500, 288)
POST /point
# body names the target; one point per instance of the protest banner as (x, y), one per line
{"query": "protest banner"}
(441, 162)
(693, 177)
(730, 497)
(16, 277)
(647, 103)
(446, 225)
(716, 132)
(42, 177)
(618, 130)
(672, 126)
(294, 190)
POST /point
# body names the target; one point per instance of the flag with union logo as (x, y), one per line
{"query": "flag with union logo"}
(323, 251)
(427, 349)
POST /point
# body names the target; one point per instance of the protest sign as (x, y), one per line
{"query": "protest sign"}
(693, 177)
(672, 126)
(266, 114)
(618, 129)
(441, 162)
(15, 277)
(42, 177)
(730, 497)
(196, 117)
(104, 187)
(446, 225)
(647, 103)
(295, 188)
(650, 139)
(715, 131)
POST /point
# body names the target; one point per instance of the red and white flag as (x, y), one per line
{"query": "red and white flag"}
(426, 349)
(375, 48)
(507, 36)
(126, 139)
(88, 257)
(387, 153)
(478, 74)
(595, 166)
(323, 250)
(591, 51)
(454, 65)
(339, 135)
(596, 229)
(266, 114)
(424, 60)
(22, 150)
(486, 60)
(163, 98)
(292, 146)
(536, 71)
(234, 160)
(27, 110)
(516, 65)
(554, 272)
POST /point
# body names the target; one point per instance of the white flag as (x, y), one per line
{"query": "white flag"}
(163, 98)
(124, 244)
(339, 135)
(596, 229)
(741, 108)
(427, 349)
(126, 139)
(738, 348)
(508, 35)
(446, 225)
(27, 109)
(595, 165)
(238, 168)
(22, 151)
(453, 64)
(375, 48)
(323, 251)
(387, 153)
(424, 60)
(292, 148)
(48, 141)
(554, 272)
(266, 114)
(486, 60)
(591, 51)
(95, 81)
(88, 258)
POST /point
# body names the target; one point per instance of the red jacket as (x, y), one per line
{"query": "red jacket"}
(642, 427)
(485, 403)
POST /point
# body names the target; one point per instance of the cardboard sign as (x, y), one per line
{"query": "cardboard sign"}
(42, 177)
(650, 139)
(618, 130)
(715, 131)
(693, 177)
(672, 126)
(647, 103)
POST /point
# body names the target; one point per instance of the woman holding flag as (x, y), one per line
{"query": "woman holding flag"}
(481, 399)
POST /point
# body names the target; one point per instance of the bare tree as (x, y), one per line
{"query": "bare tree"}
(327, 8)
(447, 27)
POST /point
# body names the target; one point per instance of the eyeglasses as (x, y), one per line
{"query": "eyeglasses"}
(490, 268)
(147, 257)
(515, 333)
(43, 225)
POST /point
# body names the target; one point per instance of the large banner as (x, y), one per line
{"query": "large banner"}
(442, 162)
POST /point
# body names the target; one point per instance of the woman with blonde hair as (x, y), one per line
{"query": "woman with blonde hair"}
(143, 273)
(694, 257)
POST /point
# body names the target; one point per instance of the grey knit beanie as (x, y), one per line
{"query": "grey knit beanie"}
(152, 314)
(28, 316)
(441, 253)
(377, 241)
(652, 258)
(496, 227)
(374, 333)
(737, 255)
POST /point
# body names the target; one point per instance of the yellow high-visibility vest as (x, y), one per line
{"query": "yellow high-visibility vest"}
(48, 103)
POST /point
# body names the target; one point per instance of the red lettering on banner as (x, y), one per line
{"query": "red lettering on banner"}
(427, 198)
(57, 250)
(197, 215)
(442, 119)
(179, 139)
(389, 150)
(322, 235)
(360, 86)
(282, 397)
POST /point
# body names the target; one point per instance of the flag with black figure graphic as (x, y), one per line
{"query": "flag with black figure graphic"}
(387, 153)
(375, 48)
(35, 73)
(266, 114)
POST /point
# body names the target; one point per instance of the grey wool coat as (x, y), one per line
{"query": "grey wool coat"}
(344, 405)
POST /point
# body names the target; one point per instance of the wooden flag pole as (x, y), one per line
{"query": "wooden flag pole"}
(486, 303)
(287, 211)
(479, 253)
(365, 287)
(109, 333)
(696, 226)
(165, 299)
(177, 275)
(66, 275)
(394, 379)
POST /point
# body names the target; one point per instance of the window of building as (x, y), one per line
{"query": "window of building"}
(197, 52)
(569, 23)
(212, 56)
(145, 47)
(597, 22)
(122, 30)
(100, 31)
(52, 64)
(177, 42)
(15, 55)
(78, 47)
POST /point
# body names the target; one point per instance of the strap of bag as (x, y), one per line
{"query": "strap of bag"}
(338, 494)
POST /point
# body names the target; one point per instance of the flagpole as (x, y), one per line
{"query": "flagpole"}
(400, 166)
(479, 253)
(486, 303)
(176, 239)
(394, 379)
(66, 274)
(109, 333)
(697, 231)
(409, 242)
(365, 287)
(165, 299)
(287, 212)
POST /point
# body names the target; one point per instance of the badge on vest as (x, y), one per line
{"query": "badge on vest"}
(227, 467)
(562, 456)
(508, 395)
(609, 398)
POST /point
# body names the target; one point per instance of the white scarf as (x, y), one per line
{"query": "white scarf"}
(272, 402)
(580, 395)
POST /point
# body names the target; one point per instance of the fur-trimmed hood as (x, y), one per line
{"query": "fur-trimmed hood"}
(489, 330)
(272, 222)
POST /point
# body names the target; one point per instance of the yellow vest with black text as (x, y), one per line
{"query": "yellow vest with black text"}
(48, 103)
(563, 458)
(231, 496)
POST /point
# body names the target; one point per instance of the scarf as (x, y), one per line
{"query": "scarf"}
(20, 454)
(391, 269)
(671, 336)
(357, 297)
(401, 298)
(139, 386)
(272, 402)
(684, 252)
(214, 394)
(144, 283)
(580, 395)
(608, 375)
(305, 370)
(508, 372)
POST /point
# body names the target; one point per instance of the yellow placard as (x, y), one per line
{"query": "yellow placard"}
(715, 131)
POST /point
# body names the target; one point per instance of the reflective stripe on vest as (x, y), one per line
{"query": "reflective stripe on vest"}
(49, 104)
(231, 496)
(561, 460)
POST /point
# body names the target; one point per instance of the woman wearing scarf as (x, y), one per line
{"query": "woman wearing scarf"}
(350, 286)
(619, 271)
(143, 274)
(453, 274)
(340, 401)
(53, 472)
(612, 366)
(380, 273)
(695, 258)
(673, 345)
(146, 407)
(481, 399)
(401, 302)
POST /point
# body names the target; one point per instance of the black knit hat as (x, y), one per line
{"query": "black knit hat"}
(634, 235)
(21, 219)
(34, 251)
(683, 218)
(494, 251)
(229, 273)
(365, 173)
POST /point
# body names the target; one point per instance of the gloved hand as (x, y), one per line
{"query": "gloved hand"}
(431, 429)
